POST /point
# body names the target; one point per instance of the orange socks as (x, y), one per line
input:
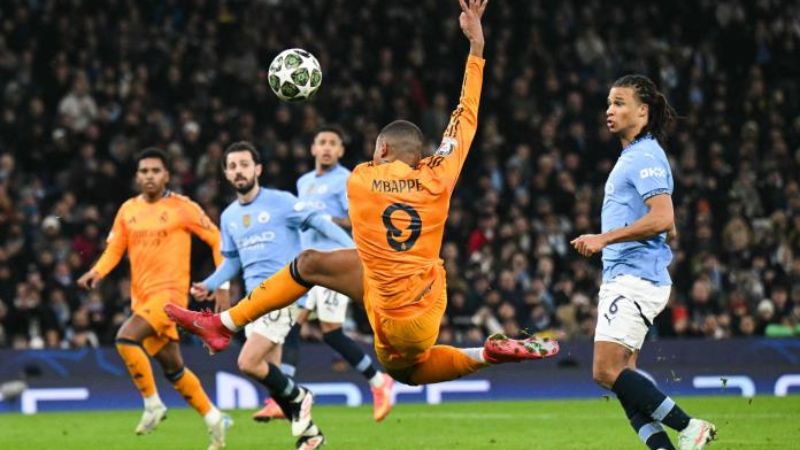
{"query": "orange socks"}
(138, 365)
(188, 385)
(444, 364)
(276, 292)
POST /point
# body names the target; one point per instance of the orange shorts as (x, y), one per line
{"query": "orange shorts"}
(151, 309)
(403, 338)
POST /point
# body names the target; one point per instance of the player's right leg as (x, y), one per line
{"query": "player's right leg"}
(287, 361)
(339, 270)
(626, 309)
(129, 345)
(264, 337)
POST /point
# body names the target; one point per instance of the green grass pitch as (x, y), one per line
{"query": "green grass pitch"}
(765, 423)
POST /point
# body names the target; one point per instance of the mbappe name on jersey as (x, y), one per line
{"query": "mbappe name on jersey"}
(396, 186)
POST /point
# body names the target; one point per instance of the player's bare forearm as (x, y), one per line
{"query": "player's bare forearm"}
(659, 219)
(651, 224)
(476, 48)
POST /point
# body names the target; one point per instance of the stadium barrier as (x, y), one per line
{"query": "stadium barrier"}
(96, 379)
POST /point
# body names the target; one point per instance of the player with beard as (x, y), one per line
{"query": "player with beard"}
(260, 235)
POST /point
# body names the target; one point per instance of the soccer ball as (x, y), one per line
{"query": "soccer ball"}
(294, 75)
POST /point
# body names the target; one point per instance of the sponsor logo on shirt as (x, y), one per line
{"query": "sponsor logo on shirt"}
(312, 205)
(318, 189)
(256, 240)
(657, 172)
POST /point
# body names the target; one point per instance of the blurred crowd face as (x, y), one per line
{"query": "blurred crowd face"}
(326, 149)
(241, 171)
(152, 177)
(625, 114)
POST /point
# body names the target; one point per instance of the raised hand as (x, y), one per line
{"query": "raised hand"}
(470, 22)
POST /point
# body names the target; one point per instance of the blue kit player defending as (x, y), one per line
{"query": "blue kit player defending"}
(637, 223)
(260, 235)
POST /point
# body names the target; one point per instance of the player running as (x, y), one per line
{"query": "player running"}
(260, 235)
(637, 221)
(155, 229)
(324, 189)
(398, 208)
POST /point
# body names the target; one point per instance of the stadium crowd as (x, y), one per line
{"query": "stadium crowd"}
(87, 84)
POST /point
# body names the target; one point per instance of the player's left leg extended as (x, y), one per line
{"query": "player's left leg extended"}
(404, 343)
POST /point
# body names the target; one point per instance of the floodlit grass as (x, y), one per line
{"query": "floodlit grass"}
(765, 423)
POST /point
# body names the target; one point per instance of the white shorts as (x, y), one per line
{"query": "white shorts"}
(275, 325)
(626, 309)
(329, 305)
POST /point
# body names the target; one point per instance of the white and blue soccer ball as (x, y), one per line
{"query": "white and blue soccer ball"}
(294, 75)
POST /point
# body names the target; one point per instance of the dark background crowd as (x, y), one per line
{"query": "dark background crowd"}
(86, 84)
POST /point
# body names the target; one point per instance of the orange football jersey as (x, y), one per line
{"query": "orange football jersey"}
(157, 237)
(398, 212)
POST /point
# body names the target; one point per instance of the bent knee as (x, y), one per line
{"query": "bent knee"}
(248, 366)
(308, 263)
(605, 376)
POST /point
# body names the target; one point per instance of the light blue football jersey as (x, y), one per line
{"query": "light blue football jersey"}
(642, 171)
(326, 194)
(264, 234)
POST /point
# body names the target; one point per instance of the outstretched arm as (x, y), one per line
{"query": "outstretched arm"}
(470, 21)
(116, 245)
(460, 132)
(225, 272)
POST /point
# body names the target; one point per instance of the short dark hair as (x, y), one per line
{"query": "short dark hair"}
(330, 129)
(241, 146)
(661, 117)
(404, 136)
(153, 152)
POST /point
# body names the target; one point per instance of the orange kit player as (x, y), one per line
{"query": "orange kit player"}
(398, 208)
(155, 228)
